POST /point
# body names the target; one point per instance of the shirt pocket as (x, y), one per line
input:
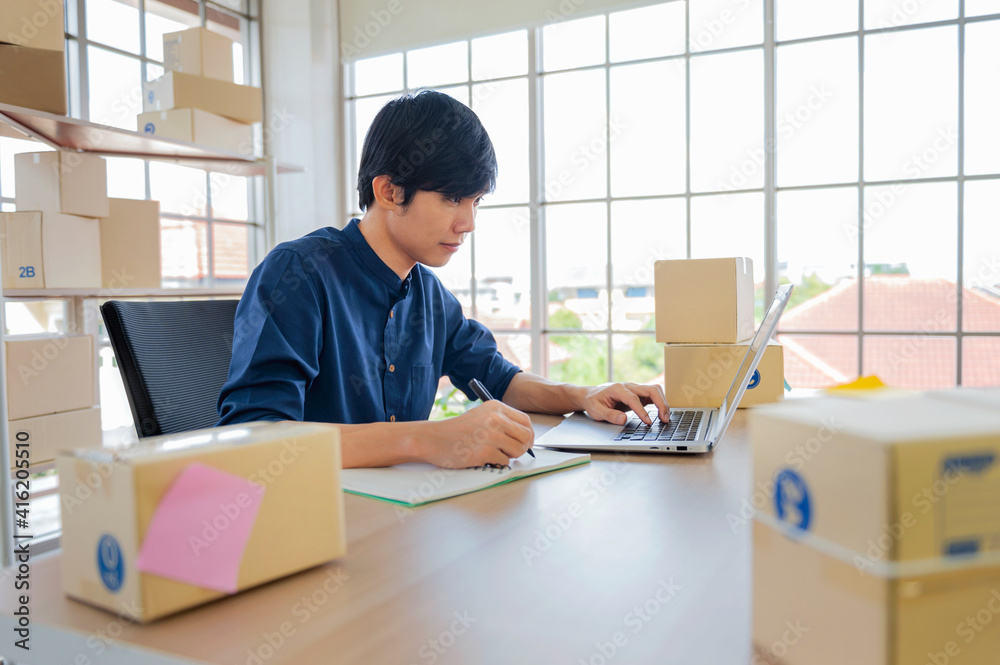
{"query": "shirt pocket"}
(423, 390)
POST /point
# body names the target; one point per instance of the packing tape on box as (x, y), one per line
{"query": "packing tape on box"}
(879, 568)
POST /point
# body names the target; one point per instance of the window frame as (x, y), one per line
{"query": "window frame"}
(540, 330)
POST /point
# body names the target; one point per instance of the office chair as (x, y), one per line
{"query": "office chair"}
(174, 358)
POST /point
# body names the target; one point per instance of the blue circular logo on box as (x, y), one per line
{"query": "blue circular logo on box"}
(150, 128)
(110, 563)
(791, 499)
(754, 380)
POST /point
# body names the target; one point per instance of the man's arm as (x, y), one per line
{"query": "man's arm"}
(492, 433)
(530, 392)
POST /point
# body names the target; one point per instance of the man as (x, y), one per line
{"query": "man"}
(348, 326)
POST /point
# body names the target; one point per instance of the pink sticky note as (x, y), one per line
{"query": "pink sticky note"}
(200, 528)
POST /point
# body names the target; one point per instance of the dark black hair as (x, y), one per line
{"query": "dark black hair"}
(427, 141)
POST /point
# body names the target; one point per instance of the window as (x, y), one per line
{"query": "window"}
(870, 179)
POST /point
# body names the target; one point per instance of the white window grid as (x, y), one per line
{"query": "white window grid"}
(540, 330)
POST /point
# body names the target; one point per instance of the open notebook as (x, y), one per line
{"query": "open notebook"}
(416, 484)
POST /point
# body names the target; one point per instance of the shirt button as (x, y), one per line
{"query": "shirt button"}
(392, 368)
(392, 419)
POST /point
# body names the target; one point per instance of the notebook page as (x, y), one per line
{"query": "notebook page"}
(415, 484)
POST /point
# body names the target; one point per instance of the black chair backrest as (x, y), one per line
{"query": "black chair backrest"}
(174, 358)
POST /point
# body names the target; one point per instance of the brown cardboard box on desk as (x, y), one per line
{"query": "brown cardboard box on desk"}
(44, 436)
(175, 521)
(34, 78)
(877, 536)
(699, 375)
(50, 250)
(49, 373)
(130, 245)
(71, 183)
(37, 24)
(199, 51)
(700, 301)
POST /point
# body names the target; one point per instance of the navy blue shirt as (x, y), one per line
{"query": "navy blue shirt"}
(326, 331)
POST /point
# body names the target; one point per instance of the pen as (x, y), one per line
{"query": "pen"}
(484, 394)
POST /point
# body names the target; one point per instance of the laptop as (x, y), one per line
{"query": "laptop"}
(688, 430)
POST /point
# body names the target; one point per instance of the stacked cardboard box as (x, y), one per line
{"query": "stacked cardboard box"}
(877, 530)
(197, 99)
(50, 396)
(53, 240)
(32, 58)
(130, 245)
(705, 318)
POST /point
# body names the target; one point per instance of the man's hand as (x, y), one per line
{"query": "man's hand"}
(612, 402)
(492, 433)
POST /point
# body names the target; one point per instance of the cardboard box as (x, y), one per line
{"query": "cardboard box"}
(51, 250)
(902, 478)
(48, 374)
(877, 529)
(34, 78)
(176, 90)
(130, 245)
(293, 470)
(704, 300)
(201, 127)
(72, 183)
(699, 375)
(21, 242)
(199, 51)
(45, 436)
(813, 608)
(37, 24)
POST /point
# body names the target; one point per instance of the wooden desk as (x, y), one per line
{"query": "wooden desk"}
(544, 570)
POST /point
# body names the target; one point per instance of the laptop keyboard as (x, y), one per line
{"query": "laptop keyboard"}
(682, 426)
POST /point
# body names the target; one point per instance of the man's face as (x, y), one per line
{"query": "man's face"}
(433, 226)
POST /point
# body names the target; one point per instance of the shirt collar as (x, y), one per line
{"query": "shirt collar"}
(367, 257)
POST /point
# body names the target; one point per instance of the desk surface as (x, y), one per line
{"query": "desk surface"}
(624, 560)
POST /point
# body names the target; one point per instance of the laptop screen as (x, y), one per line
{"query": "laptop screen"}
(753, 354)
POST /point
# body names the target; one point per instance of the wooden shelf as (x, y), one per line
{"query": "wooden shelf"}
(67, 133)
(111, 294)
